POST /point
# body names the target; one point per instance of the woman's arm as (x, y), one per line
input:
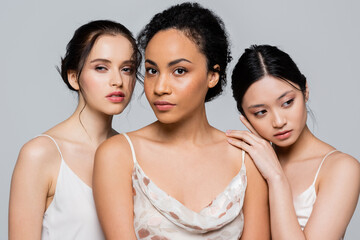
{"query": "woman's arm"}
(30, 184)
(112, 186)
(336, 201)
(256, 205)
(339, 187)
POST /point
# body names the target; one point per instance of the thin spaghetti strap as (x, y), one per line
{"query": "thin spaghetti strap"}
(243, 157)
(322, 161)
(57, 146)
(131, 146)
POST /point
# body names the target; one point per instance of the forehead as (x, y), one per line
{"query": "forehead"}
(267, 89)
(171, 44)
(111, 47)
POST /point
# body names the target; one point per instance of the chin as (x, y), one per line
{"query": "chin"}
(166, 118)
(284, 143)
(112, 112)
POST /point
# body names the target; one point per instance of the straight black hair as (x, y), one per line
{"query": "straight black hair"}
(260, 61)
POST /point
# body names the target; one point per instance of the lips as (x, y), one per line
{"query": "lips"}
(283, 134)
(116, 97)
(164, 105)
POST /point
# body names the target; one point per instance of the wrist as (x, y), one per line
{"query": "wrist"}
(277, 178)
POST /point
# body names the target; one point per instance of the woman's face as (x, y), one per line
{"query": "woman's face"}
(276, 110)
(176, 78)
(108, 76)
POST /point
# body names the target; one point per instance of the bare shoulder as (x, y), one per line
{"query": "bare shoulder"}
(38, 162)
(342, 167)
(118, 140)
(115, 151)
(342, 162)
(146, 133)
(39, 153)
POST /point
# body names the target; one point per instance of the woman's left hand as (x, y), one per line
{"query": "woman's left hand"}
(258, 148)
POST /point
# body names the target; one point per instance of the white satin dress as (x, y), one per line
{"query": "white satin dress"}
(159, 216)
(71, 214)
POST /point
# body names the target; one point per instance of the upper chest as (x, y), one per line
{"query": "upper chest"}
(194, 176)
(301, 174)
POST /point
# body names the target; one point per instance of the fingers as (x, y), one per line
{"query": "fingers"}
(248, 125)
(240, 144)
(246, 136)
(251, 143)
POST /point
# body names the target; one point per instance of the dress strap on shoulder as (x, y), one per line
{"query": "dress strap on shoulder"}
(131, 146)
(57, 146)
(322, 161)
(243, 157)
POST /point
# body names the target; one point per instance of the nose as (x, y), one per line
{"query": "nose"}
(116, 79)
(279, 119)
(162, 86)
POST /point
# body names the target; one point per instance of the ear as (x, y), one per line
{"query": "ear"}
(306, 92)
(73, 79)
(213, 76)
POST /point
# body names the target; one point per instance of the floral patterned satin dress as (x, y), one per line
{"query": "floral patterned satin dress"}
(158, 216)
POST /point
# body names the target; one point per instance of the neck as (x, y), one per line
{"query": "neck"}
(191, 129)
(299, 149)
(92, 126)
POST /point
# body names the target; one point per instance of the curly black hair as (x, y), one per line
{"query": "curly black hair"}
(203, 27)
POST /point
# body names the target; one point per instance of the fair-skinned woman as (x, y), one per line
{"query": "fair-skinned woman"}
(51, 195)
(313, 188)
(177, 178)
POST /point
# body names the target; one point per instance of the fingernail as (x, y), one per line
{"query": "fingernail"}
(228, 132)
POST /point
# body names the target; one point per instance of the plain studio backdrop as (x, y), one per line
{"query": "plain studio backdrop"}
(321, 36)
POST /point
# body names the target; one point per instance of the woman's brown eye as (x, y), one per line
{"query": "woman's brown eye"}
(260, 113)
(151, 71)
(180, 71)
(128, 69)
(288, 103)
(100, 68)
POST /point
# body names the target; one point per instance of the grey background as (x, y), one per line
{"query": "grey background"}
(322, 37)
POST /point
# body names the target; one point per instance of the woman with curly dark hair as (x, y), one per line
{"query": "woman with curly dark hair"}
(177, 178)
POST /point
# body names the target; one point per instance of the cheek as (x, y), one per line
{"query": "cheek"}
(300, 114)
(262, 126)
(129, 85)
(148, 87)
(89, 84)
(194, 87)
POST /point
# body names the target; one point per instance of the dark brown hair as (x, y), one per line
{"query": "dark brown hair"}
(79, 47)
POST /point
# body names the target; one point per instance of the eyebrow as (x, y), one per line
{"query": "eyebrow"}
(262, 105)
(256, 106)
(170, 63)
(108, 61)
(177, 61)
(151, 62)
(284, 94)
(100, 60)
